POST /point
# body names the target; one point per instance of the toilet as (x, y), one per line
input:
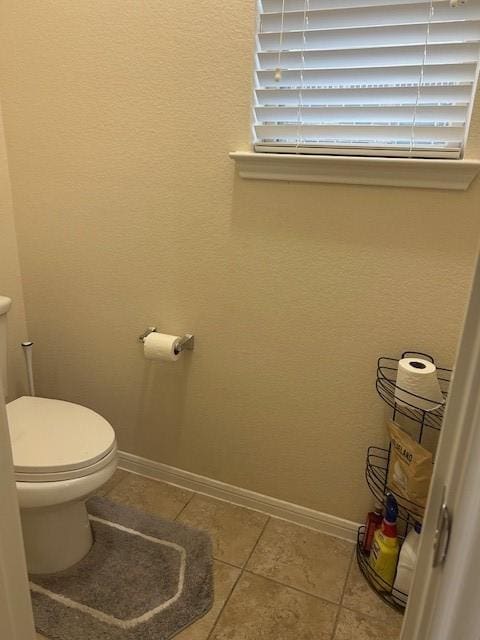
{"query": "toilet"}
(62, 453)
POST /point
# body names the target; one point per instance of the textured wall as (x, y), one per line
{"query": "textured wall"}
(119, 119)
(10, 278)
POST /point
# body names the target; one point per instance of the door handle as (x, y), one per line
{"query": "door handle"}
(442, 534)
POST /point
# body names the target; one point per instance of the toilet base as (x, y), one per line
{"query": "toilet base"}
(56, 537)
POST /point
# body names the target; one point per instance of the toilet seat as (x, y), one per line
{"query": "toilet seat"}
(54, 440)
(73, 474)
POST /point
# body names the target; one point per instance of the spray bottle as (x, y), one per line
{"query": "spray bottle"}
(385, 546)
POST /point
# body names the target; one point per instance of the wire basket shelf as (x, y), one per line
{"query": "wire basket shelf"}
(387, 388)
(393, 597)
(376, 475)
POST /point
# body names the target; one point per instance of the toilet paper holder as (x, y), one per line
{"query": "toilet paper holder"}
(186, 342)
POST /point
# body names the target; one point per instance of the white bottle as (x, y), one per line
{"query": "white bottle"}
(407, 562)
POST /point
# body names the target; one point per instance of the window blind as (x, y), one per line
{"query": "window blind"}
(365, 77)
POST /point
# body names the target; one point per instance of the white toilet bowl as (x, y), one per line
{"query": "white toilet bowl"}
(62, 453)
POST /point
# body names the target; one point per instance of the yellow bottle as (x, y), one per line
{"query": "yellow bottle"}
(385, 546)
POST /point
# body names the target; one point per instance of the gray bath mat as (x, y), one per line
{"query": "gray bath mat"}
(144, 579)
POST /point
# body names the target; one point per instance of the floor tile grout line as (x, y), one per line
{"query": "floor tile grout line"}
(117, 484)
(185, 506)
(350, 567)
(242, 571)
(227, 599)
(230, 564)
(114, 486)
(369, 616)
(340, 605)
(358, 612)
(256, 543)
(289, 586)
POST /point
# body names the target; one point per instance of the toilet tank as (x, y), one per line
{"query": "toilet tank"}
(5, 304)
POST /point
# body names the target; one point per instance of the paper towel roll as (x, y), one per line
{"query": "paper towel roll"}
(161, 346)
(419, 377)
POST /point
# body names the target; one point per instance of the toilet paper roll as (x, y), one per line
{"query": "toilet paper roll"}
(419, 377)
(161, 346)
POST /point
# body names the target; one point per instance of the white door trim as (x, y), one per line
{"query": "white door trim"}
(16, 619)
(443, 604)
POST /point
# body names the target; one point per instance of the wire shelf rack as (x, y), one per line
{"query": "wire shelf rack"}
(420, 420)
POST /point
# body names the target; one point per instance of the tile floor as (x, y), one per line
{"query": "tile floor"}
(273, 580)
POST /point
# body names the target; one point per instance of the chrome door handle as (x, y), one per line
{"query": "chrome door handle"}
(442, 535)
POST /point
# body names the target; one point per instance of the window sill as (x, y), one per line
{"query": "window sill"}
(396, 172)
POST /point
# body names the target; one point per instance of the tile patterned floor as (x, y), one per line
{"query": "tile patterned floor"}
(273, 580)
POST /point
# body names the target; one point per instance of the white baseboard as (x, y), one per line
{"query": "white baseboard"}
(323, 522)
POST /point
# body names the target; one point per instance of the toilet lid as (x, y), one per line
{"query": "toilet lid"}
(50, 436)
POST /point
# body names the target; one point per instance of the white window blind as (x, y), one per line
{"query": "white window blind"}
(366, 77)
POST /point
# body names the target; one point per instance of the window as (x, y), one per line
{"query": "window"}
(366, 77)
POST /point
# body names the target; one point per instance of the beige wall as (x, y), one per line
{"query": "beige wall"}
(10, 278)
(119, 119)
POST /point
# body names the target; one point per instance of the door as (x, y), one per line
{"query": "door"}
(443, 604)
(16, 620)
